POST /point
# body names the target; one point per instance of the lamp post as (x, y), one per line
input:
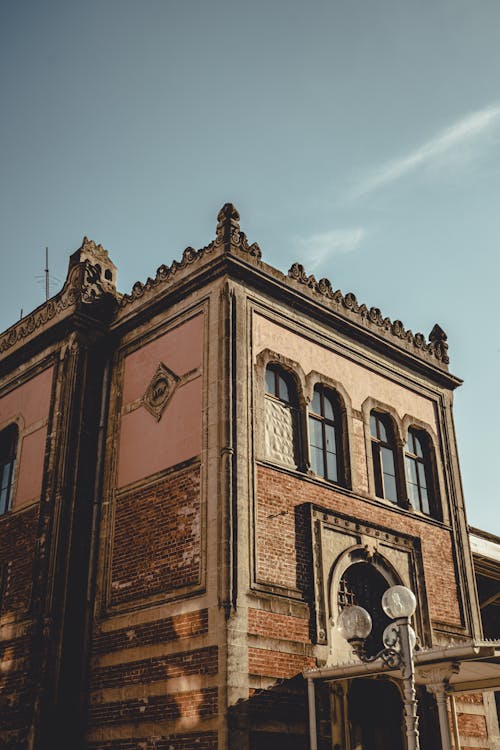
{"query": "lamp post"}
(355, 624)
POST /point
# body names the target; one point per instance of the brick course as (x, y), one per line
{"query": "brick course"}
(272, 625)
(269, 663)
(173, 628)
(200, 661)
(197, 704)
(157, 543)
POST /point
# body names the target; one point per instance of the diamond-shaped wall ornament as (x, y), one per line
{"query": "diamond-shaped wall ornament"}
(160, 391)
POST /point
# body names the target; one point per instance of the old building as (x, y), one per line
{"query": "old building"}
(196, 478)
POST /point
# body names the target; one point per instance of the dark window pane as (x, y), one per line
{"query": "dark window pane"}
(3, 500)
(418, 446)
(283, 389)
(421, 476)
(328, 407)
(413, 495)
(4, 475)
(387, 460)
(390, 487)
(330, 438)
(425, 501)
(411, 470)
(315, 433)
(270, 382)
(382, 431)
(377, 470)
(317, 463)
(316, 402)
(331, 463)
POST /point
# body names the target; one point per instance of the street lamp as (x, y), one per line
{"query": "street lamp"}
(355, 624)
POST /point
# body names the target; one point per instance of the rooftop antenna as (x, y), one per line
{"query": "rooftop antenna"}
(47, 283)
(46, 278)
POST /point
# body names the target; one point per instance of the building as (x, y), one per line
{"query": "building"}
(197, 477)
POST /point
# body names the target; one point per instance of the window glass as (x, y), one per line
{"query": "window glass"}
(324, 434)
(316, 402)
(418, 470)
(270, 381)
(383, 453)
(8, 448)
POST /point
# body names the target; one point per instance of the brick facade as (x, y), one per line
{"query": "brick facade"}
(164, 521)
(161, 562)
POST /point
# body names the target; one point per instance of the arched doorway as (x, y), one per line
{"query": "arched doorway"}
(375, 715)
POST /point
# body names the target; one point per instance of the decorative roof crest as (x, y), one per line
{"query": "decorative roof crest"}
(435, 347)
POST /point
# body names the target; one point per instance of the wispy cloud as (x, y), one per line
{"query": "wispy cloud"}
(318, 247)
(443, 145)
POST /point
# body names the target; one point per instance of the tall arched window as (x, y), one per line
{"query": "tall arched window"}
(419, 473)
(384, 456)
(8, 450)
(325, 435)
(281, 417)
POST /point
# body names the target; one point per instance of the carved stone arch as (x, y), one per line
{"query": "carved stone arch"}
(292, 368)
(379, 572)
(314, 378)
(352, 556)
(267, 357)
(440, 511)
(371, 404)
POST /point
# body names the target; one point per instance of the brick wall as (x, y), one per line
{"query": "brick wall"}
(157, 541)
(16, 691)
(168, 629)
(152, 681)
(17, 545)
(283, 547)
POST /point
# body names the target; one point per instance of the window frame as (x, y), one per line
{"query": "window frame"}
(426, 464)
(8, 458)
(378, 444)
(329, 395)
(291, 403)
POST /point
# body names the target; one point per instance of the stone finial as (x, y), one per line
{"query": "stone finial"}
(439, 339)
(228, 224)
(228, 232)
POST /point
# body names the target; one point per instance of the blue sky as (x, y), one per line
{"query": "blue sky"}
(360, 138)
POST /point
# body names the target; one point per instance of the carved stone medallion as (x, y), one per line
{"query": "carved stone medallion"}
(160, 391)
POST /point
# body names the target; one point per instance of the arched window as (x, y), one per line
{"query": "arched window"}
(8, 450)
(419, 474)
(384, 456)
(281, 417)
(325, 435)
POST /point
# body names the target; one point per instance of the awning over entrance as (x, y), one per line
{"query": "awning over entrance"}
(474, 665)
(462, 668)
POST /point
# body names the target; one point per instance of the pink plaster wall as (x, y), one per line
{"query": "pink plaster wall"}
(180, 349)
(148, 446)
(29, 406)
(29, 482)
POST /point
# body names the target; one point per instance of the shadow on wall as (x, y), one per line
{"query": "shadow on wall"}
(273, 719)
